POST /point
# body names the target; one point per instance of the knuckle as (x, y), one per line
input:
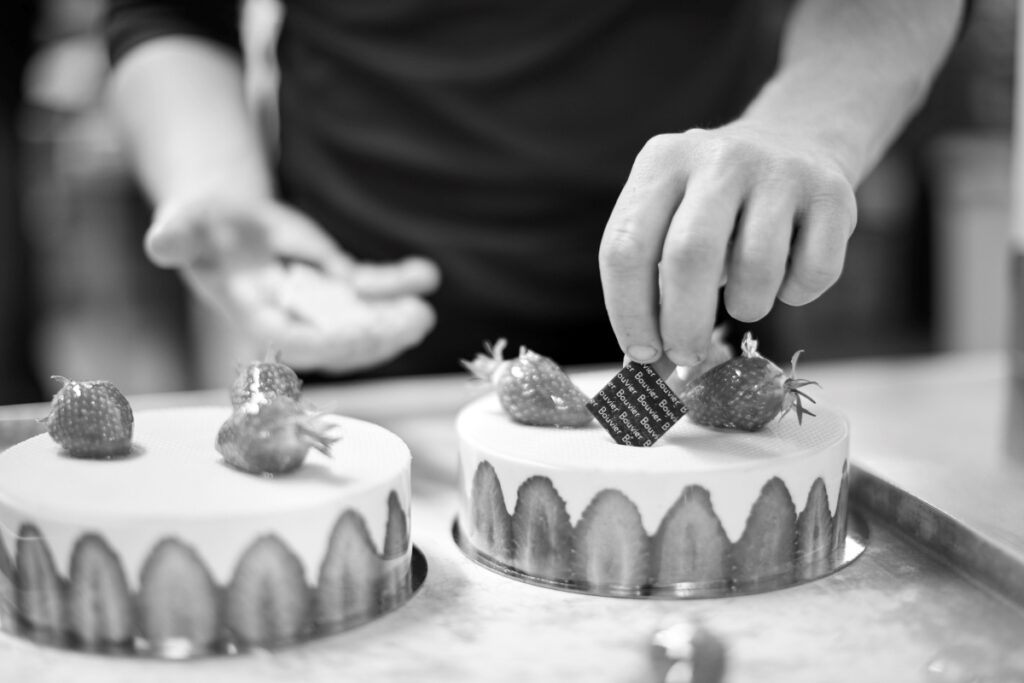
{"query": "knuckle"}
(815, 278)
(694, 251)
(621, 249)
(657, 149)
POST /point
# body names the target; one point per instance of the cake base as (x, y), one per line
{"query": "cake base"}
(856, 542)
(171, 553)
(701, 512)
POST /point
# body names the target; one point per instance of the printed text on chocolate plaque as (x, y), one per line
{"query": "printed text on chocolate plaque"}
(636, 407)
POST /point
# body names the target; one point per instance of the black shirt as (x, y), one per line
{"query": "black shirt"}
(491, 135)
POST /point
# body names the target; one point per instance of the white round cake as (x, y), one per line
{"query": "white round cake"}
(701, 512)
(169, 550)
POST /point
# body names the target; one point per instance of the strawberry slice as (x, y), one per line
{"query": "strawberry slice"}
(842, 510)
(532, 388)
(764, 553)
(8, 591)
(100, 610)
(746, 392)
(351, 575)
(179, 604)
(40, 589)
(396, 586)
(267, 602)
(490, 525)
(814, 534)
(690, 544)
(541, 531)
(397, 579)
(396, 538)
(612, 549)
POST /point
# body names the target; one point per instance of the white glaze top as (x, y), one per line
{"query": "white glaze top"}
(176, 483)
(732, 465)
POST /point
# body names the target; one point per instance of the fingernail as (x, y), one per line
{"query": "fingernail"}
(642, 354)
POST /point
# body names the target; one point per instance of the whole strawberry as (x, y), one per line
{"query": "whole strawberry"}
(746, 392)
(532, 388)
(262, 380)
(272, 437)
(90, 419)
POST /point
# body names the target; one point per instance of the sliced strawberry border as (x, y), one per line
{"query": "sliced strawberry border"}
(180, 611)
(777, 548)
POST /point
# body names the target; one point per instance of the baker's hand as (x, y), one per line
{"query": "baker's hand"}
(766, 214)
(283, 282)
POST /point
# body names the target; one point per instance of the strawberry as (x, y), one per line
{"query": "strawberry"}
(490, 525)
(262, 380)
(532, 388)
(267, 602)
(272, 437)
(814, 535)
(610, 547)
(396, 536)
(746, 392)
(541, 531)
(41, 600)
(90, 419)
(690, 544)
(351, 576)
(764, 554)
(100, 612)
(180, 608)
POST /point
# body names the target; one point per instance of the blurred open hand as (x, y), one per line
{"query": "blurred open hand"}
(283, 282)
(763, 213)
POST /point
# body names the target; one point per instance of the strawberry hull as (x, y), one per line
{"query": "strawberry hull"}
(174, 554)
(704, 512)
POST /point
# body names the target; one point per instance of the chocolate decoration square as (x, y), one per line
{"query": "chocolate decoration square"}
(636, 407)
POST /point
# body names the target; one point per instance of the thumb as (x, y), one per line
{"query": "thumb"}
(230, 229)
(295, 236)
(176, 237)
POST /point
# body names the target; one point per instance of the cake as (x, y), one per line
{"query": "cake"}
(169, 551)
(701, 512)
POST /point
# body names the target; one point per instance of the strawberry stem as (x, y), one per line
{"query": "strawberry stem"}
(484, 365)
(792, 386)
(748, 346)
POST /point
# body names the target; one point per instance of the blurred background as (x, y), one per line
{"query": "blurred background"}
(927, 270)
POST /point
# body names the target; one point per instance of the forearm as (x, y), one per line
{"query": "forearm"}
(180, 101)
(852, 73)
